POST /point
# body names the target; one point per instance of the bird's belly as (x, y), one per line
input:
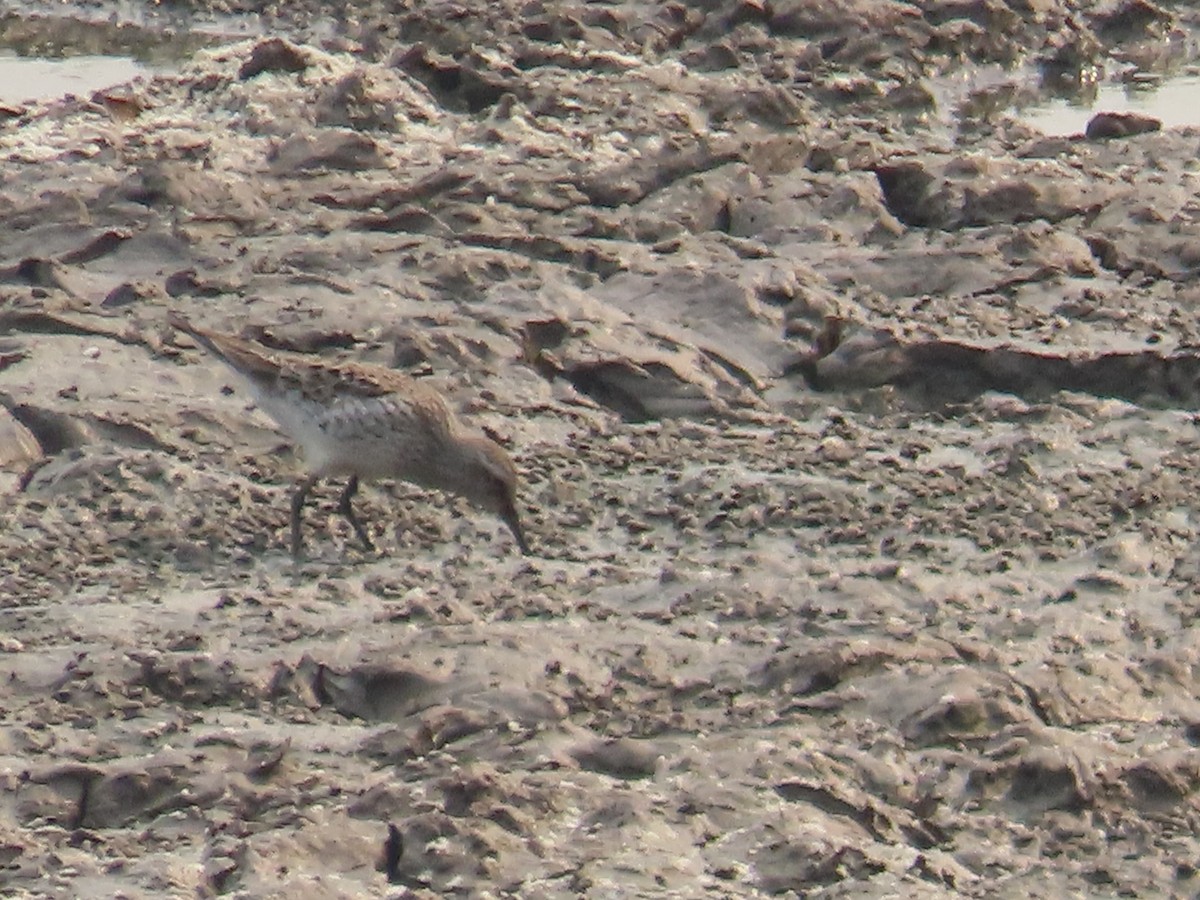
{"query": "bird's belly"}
(361, 439)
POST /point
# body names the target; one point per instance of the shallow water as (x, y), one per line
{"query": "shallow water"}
(1175, 101)
(43, 57)
(1164, 86)
(23, 79)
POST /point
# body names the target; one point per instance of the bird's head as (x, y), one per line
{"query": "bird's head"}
(490, 482)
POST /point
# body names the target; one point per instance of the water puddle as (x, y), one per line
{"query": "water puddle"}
(1160, 79)
(43, 57)
(986, 93)
(1175, 101)
(23, 80)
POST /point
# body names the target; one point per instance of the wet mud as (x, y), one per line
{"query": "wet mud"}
(859, 455)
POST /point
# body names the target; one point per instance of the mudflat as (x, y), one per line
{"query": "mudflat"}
(855, 426)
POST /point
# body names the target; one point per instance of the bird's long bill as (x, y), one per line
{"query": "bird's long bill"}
(508, 513)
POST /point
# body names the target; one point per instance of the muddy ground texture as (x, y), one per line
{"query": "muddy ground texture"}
(857, 435)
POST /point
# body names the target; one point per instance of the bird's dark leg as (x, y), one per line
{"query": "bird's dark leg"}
(298, 498)
(347, 510)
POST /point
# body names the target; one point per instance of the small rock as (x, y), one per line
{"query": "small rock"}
(273, 55)
(621, 757)
(1119, 125)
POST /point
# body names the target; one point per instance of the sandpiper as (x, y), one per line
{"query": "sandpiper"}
(367, 422)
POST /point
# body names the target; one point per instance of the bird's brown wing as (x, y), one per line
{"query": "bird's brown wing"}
(337, 386)
(328, 384)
